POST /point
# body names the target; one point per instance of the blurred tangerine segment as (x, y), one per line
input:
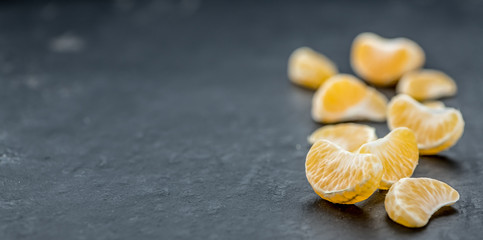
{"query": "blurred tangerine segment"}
(344, 98)
(382, 61)
(426, 84)
(309, 68)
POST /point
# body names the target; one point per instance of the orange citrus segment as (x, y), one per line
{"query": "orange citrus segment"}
(309, 68)
(412, 201)
(343, 97)
(446, 144)
(343, 94)
(434, 104)
(435, 129)
(383, 61)
(398, 152)
(426, 84)
(376, 104)
(339, 176)
(349, 136)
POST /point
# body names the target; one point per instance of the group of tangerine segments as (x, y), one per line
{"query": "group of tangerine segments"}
(347, 162)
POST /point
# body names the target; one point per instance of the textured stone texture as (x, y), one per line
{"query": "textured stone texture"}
(175, 119)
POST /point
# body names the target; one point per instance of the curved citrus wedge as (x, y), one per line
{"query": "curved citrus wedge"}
(435, 129)
(383, 61)
(309, 68)
(339, 176)
(426, 84)
(412, 201)
(434, 104)
(349, 136)
(398, 152)
(343, 97)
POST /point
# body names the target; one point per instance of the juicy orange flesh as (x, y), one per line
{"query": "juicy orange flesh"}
(380, 64)
(309, 68)
(429, 125)
(340, 176)
(349, 136)
(412, 201)
(398, 152)
(447, 144)
(325, 172)
(354, 92)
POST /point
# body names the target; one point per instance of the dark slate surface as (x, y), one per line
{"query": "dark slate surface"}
(175, 120)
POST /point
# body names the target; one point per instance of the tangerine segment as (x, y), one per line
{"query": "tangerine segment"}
(412, 201)
(343, 97)
(434, 104)
(339, 176)
(309, 68)
(448, 143)
(427, 84)
(376, 105)
(349, 136)
(383, 61)
(398, 152)
(435, 129)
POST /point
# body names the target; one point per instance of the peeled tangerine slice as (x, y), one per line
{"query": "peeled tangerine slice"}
(398, 152)
(339, 176)
(309, 68)
(412, 201)
(426, 84)
(383, 61)
(434, 104)
(349, 136)
(343, 98)
(436, 129)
